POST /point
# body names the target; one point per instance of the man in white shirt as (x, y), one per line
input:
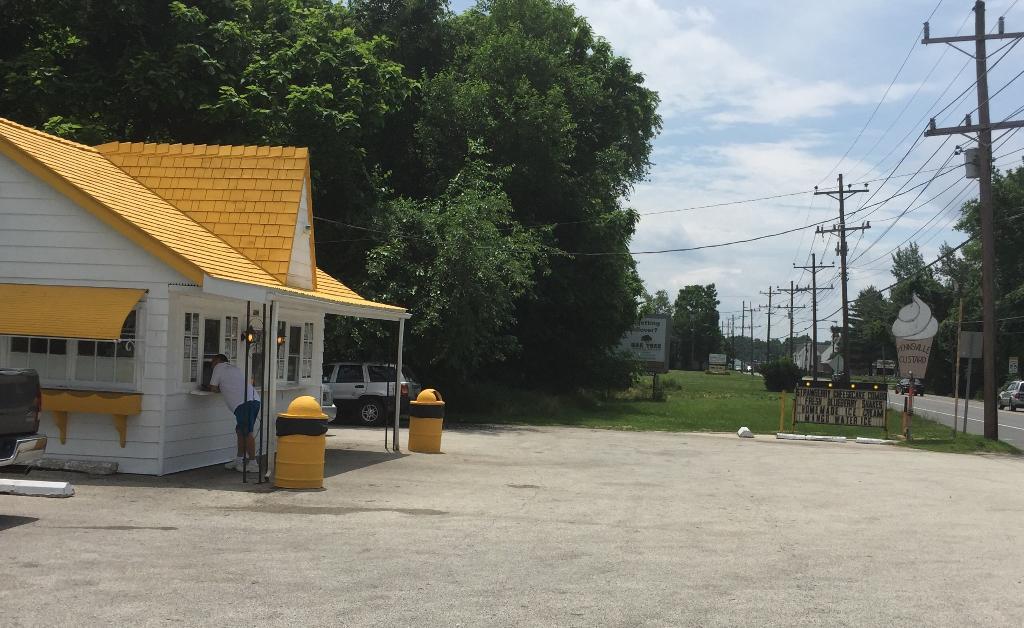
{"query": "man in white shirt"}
(241, 398)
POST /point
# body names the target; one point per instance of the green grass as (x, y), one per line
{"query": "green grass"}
(698, 402)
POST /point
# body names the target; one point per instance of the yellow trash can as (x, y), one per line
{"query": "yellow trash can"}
(426, 418)
(301, 445)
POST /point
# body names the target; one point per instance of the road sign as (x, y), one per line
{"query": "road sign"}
(648, 341)
(836, 404)
(970, 344)
(1013, 365)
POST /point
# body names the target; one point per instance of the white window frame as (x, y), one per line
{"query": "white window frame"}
(231, 338)
(191, 357)
(71, 379)
(306, 356)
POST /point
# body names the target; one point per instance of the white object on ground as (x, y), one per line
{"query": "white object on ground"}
(34, 488)
(744, 432)
(816, 437)
(874, 441)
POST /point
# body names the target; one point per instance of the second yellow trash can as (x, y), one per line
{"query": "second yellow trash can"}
(301, 445)
(426, 418)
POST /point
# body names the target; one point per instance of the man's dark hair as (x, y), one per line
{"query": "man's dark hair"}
(222, 358)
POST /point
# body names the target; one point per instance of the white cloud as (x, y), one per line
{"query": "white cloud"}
(696, 70)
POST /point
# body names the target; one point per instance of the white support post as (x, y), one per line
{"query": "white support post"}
(270, 331)
(398, 382)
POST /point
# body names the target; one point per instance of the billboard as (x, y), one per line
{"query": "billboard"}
(648, 342)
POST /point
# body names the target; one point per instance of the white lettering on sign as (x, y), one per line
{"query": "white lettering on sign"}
(834, 406)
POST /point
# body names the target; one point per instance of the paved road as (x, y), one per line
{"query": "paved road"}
(535, 527)
(1011, 424)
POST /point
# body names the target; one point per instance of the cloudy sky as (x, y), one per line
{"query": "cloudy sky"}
(765, 98)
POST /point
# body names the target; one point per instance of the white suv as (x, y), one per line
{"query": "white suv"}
(368, 389)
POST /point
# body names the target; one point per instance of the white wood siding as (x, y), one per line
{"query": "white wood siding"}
(200, 429)
(47, 239)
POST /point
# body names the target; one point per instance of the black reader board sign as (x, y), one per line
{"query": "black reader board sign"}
(859, 404)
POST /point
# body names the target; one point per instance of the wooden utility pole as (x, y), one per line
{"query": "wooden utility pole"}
(751, 338)
(814, 268)
(792, 290)
(840, 194)
(984, 130)
(768, 336)
(743, 330)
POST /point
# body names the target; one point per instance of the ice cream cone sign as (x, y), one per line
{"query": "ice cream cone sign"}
(914, 329)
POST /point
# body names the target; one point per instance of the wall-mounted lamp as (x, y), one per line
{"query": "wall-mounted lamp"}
(280, 340)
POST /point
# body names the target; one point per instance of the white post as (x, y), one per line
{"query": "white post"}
(270, 361)
(398, 382)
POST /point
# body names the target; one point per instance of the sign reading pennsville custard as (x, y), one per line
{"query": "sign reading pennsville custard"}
(861, 405)
(648, 341)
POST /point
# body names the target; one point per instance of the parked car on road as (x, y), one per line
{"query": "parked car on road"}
(902, 387)
(20, 402)
(366, 390)
(1012, 396)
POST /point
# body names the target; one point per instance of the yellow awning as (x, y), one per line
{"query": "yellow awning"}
(65, 311)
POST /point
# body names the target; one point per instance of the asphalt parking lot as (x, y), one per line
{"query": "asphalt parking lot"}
(539, 527)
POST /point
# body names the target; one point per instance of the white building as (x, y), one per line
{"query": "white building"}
(125, 267)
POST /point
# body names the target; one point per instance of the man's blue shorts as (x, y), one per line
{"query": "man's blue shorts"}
(245, 416)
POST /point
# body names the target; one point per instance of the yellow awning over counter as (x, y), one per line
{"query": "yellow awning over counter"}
(65, 311)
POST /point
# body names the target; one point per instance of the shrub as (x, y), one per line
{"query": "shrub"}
(780, 375)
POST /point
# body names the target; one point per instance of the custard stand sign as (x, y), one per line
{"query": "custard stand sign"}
(914, 329)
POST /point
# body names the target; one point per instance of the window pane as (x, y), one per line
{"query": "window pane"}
(125, 368)
(293, 368)
(125, 350)
(38, 345)
(379, 373)
(86, 347)
(85, 367)
(19, 344)
(56, 366)
(294, 340)
(105, 349)
(350, 374)
(58, 346)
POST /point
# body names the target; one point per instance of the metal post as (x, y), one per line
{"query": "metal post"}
(398, 390)
(967, 393)
(264, 386)
(245, 399)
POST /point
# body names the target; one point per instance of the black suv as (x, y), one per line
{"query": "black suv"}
(903, 387)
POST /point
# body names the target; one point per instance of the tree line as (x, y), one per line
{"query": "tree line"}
(460, 162)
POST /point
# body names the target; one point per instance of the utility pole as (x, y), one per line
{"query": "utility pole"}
(814, 268)
(840, 194)
(791, 290)
(984, 130)
(732, 337)
(751, 338)
(768, 336)
(743, 329)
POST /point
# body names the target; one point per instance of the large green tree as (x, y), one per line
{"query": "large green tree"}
(571, 125)
(695, 327)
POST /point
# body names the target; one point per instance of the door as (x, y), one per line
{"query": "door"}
(348, 382)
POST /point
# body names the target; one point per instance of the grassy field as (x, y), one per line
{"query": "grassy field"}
(699, 402)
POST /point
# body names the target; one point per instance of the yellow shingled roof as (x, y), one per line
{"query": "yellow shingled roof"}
(247, 196)
(86, 176)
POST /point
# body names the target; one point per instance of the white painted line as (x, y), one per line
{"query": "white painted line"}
(36, 488)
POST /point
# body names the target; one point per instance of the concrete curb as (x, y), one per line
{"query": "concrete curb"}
(814, 437)
(874, 441)
(78, 466)
(35, 488)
